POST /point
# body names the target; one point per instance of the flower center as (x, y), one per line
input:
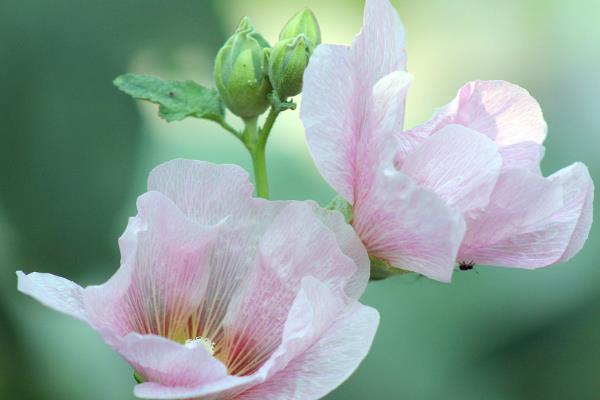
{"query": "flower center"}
(208, 344)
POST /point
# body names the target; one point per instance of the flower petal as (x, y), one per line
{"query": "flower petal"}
(406, 143)
(532, 221)
(351, 245)
(527, 155)
(226, 388)
(505, 112)
(55, 292)
(165, 278)
(578, 189)
(203, 191)
(323, 337)
(338, 85)
(255, 321)
(208, 193)
(384, 117)
(163, 361)
(324, 342)
(409, 226)
(331, 117)
(314, 253)
(459, 165)
(380, 47)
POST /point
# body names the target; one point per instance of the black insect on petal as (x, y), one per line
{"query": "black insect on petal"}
(466, 266)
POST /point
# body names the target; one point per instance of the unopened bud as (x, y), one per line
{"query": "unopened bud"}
(241, 72)
(303, 23)
(288, 60)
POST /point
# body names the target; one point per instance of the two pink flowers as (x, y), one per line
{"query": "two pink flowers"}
(223, 296)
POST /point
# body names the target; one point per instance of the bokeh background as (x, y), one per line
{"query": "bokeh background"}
(75, 152)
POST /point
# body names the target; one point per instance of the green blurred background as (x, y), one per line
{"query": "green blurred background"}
(75, 152)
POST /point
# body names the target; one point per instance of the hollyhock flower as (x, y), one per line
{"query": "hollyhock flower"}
(223, 296)
(353, 103)
(471, 173)
(529, 221)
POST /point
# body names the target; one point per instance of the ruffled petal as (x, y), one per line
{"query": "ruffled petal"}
(324, 342)
(203, 191)
(409, 226)
(525, 155)
(578, 189)
(459, 165)
(532, 221)
(55, 292)
(351, 245)
(313, 253)
(207, 193)
(505, 112)
(172, 364)
(406, 143)
(226, 388)
(384, 117)
(163, 280)
(255, 321)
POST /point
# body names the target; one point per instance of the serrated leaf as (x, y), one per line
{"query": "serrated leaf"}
(177, 100)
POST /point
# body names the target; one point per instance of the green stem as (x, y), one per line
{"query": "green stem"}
(256, 142)
(266, 129)
(258, 156)
(259, 163)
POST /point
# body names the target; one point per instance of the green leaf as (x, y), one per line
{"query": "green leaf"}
(177, 100)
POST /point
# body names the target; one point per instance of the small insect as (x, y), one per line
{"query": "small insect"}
(466, 266)
(172, 94)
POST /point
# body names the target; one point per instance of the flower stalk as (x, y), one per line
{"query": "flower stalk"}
(255, 140)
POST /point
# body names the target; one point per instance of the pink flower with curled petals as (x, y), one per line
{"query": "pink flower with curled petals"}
(529, 221)
(222, 296)
(465, 187)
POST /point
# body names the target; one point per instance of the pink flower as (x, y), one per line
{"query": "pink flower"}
(527, 221)
(353, 104)
(471, 173)
(223, 296)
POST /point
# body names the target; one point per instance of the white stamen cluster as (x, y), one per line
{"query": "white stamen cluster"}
(208, 344)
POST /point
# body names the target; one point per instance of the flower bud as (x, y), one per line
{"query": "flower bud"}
(287, 63)
(303, 23)
(241, 72)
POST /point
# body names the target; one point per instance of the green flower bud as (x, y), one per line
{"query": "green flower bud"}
(303, 23)
(287, 63)
(241, 70)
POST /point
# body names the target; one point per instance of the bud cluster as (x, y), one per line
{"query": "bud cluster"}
(248, 70)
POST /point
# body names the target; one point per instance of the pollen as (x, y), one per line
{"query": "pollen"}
(208, 344)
